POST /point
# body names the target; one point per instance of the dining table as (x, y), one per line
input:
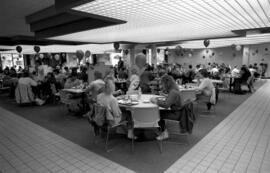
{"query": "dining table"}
(78, 91)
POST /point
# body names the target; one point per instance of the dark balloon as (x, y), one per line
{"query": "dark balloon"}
(158, 50)
(36, 49)
(87, 54)
(79, 54)
(206, 42)
(126, 52)
(116, 45)
(19, 49)
(144, 51)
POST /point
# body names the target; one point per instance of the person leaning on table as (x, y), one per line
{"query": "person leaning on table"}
(173, 101)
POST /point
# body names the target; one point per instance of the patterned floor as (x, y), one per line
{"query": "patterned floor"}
(28, 148)
(239, 144)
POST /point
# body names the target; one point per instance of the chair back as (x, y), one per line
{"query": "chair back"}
(188, 95)
(145, 117)
(64, 97)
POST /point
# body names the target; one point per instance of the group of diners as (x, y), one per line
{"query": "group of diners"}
(39, 85)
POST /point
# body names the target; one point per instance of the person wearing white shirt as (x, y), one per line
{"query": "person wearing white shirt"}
(235, 72)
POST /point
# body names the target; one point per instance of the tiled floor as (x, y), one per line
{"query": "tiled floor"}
(28, 148)
(239, 144)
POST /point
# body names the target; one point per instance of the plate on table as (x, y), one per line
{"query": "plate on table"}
(128, 103)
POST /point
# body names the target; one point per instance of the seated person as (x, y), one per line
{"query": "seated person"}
(206, 87)
(107, 99)
(24, 92)
(72, 81)
(173, 101)
(96, 86)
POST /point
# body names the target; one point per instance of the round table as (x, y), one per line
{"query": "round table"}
(143, 102)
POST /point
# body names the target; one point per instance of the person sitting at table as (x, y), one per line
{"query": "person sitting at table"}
(96, 86)
(24, 92)
(173, 101)
(206, 87)
(72, 81)
(115, 115)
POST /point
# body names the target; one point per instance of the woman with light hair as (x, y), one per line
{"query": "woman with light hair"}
(115, 115)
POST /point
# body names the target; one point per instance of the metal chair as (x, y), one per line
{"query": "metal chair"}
(174, 127)
(146, 118)
(97, 118)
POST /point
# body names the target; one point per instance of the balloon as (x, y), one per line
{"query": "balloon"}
(238, 47)
(257, 51)
(266, 49)
(116, 45)
(41, 56)
(206, 42)
(79, 54)
(19, 49)
(190, 55)
(36, 49)
(87, 54)
(203, 57)
(158, 50)
(56, 57)
(178, 50)
(140, 60)
(213, 54)
(126, 52)
(144, 51)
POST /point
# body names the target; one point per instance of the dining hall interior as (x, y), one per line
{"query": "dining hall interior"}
(174, 86)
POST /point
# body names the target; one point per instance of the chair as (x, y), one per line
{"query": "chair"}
(97, 118)
(67, 100)
(145, 118)
(177, 127)
(205, 100)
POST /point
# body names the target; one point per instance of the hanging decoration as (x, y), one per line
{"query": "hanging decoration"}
(266, 49)
(257, 51)
(207, 51)
(178, 50)
(36, 49)
(206, 42)
(126, 52)
(213, 54)
(19, 49)
(116, 45)
(79, 54)
(144, 51)
(190, 55)
(57, 57)
(140, 60)
(41, 56)
(158, 50)
(238, 47)
(87, 54)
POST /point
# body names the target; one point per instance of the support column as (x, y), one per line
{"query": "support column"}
(246, 55)
(154, 55)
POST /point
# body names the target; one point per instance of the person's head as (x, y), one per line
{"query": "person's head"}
(134, 71)
(97, 75)
(204, 73)
(168, 83)
(190, 66)
(109, 86)
(250, 66)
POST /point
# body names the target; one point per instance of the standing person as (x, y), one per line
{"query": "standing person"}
(145, 79)
(120, 64)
